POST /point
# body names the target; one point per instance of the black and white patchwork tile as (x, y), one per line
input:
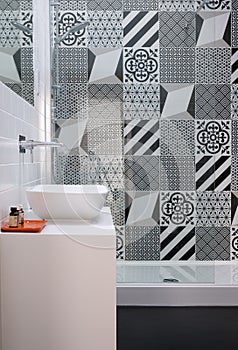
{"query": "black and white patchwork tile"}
(214, 5)
(234, 65)
(177, 173)
(177, 208)
(116, 201)
(111, 61)
(110, 171)
(213, 208)
(213, 101)
(234, 208)
(73, 5)
(234, 29)
(141, 101)
(213, 65)
(9, 5)
(105, 137)
(120, 242)
(26, 5)
(142, 243)
(26, 19)
(234, 102)
(105, 29)
(177, 5)
(213, 173)
(105, 101)
(177, 242)
(177, 101)
(213, 243)
(68, 20)
(141, 65)
(73, 65)
(72, 101)
(10, 35)
(141, 137)
(234, 4)
(234, 243)
(217, 24)
(177, 137)
(142, 208)
(142, 173)
(234, 173)
(140, 29)
(140, 5)
(28, 92)
(177, 65)
(213, 137)
(177, 29)
(234, 137)
(104, 5)
(27, 75)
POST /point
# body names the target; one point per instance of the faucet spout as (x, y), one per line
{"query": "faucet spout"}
(31, 144)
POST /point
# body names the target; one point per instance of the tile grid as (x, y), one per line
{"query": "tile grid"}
(169, 124)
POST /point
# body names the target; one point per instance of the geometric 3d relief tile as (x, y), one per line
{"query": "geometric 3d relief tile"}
(177, 137)
(213, 65)
(213, 173)
(140, 5)
(177, 65)
(177, 101)
(142, 173)
(105, 29)
(141, 29)
(67, 20)
(213, 29)
(16, 87)
(180, 5)
(177, 243)
(102, 5)
(72, 101)
(213, 243)
(142, 208)
(213, 137)
(111, 61)
(234, 243)
(142, 243)
(177, 208)
(177, 173)
(141, 65)
(141, 137)
(213, 101)
(141, 99)
(177, 29)
(120, 243)
(73, 65)
(213, 208)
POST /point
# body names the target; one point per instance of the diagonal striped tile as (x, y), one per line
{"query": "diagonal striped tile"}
(234, 66)
(213, 173)
(140, 28)
(177, 243)
(141, 137)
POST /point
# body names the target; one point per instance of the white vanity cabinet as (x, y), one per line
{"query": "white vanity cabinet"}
(58, 287)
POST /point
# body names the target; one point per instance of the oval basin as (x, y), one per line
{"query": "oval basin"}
(77, 202)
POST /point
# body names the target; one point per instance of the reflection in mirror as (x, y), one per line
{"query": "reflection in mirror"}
(16, 49)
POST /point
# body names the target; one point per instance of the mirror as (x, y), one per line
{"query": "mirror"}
(16, 47)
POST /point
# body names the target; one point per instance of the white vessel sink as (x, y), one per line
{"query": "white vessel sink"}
(77, 202)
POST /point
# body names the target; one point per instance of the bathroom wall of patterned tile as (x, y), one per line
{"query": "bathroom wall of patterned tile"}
(16, 47)
(149, 91)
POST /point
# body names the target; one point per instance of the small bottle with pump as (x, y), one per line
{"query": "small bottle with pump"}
(21, 214)
(13, 217)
